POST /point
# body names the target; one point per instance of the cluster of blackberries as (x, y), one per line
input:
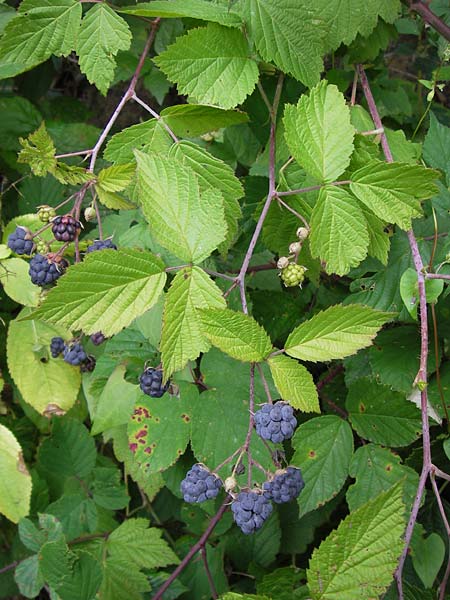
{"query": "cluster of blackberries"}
(46, 269)
(151, 383)
(73, 353)
(65, 228)
(275, 422)
(97, 338)
(285, 486)
(21, 241)
(250, 510)
(101, 245)
(200, 484)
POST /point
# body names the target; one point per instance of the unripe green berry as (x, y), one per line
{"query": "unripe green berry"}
(90, 214)
(46, 213)
(293, 275)
(42, 247)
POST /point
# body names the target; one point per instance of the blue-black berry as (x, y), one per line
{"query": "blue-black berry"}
(200, 484)
(57, 346)
(88, 365)
(101, 245)
(151, 383)
(44, 270)
(74, 354)
(97, 338)
(275, 422)
(285, 486)
(250, 510)
(20, 241)
(65, 228)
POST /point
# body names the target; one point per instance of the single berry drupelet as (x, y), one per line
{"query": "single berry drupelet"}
(293, 275)
(250, 510)
(88, 365)
(44, 270)
(97, 338)
(101, 245)
(57, 346)
(275, 422)
(20, 241)
(151, 383)
(74, 354)
(285, 486)
(200, 484)
(65, 228)
(46, 213)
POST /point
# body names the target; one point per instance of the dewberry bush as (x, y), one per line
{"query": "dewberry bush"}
(225, 361)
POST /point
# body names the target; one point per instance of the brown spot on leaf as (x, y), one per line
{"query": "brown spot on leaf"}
(141, 433)
(388, 467)
(133, 447)
(312, 454)
(185, 418)
(21, 466)
(362, 408)
(53, 409)
(148, 450)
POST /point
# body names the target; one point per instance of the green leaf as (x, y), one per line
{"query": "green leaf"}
(133, 541)
(358, 559)
(236, 334)
(196, 9)
(48, 385)
(287, 34)
(376, 470)
(28, 577)
(108, 490)
(159, 433)
(211, 65)
(16, 282)
(54, 562)
(192, 120)
(77, 514)
(38, 151)
(213, 173)
(393, 191)
(295, 383)
(379, 240)
(336, 332)
(122, 580)
(436, 147)
(339, 233)
(106, 291)
(427, 557)
(40, 29)
(15, 486)
(114, 179)
(319, 133)
(30, 535)
(182, 337)
(102, 34)
(409, 290)
(84, 580)
(323, 451)
(143, 136)
(381, 415)
(190, 224)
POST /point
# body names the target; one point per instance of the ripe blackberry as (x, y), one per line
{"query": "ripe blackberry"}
(275, 422)
(285, 486)
(44, 270)
(57, 346)
(101, 245)
(250, 510)
(65, 228)
(46, 213)
(200, 484)
(88, 365)
(97, 338)
(293, 275)
(151, 383)
(74, 354)
(20, 241)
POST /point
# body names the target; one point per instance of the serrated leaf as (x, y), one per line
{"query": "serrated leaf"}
(28, 577)
(115, 179)
(196, 9)
(159, 433)
(295, 383)
(16, 282)
(46, 384)
(143, 136)
(381, 415)
(192, 120)
(357, 561)
(108, 490)
(287, 33)
(211, 65)
(106, 291)
(84, 580)
(379, 240)
(40, 29)
(102, 34)
(323, 451)
(187, 222)
(336, 332)
(15, 480)
(54, 562)
(122, 580)
(38, 151)
(393, 191)
(319, 133)
(339, 233)
(182, 337)
(236, 334)
(134, 541)
(376, 470)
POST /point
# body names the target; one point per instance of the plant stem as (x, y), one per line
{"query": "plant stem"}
(429, 17)
(264, 382)
(157, 116)
(311, 188)
(436, 276)
(293, 211)
(212, 587)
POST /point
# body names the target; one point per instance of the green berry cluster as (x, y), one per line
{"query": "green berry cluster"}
(293, 275)
(46, 213)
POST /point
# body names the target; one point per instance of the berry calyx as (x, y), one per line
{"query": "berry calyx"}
(21, 241)
(74, 354)
(44, 270)
(293, 275)
(151, 383)
(57, 346)
(65, 228)
(285, 486)
(295, 247)
(101, 245)
(97, 338)
(46, 213)
(283, 262)
(250, 511)
(302, 233)
(275, 422)
(200, 484)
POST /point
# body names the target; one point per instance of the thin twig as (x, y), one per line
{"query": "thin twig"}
(293, 211)
(436, 276)
(212, 587)
(78, 153)
(264, 382)
(429, 17)
(157, 116)
(311, 188)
